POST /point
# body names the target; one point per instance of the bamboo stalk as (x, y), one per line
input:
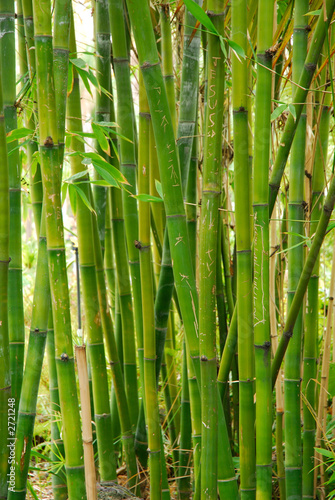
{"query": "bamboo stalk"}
(151, 401)
(188, 94)
(5, 375)
(15, 296)
(323, 404)
(33, 369)
(311, 330)
(209, 221)
(56, 251)
(84, 389)
(91, 306)
(292, 372)
(128, 162)
(128, 168)
(243, 248)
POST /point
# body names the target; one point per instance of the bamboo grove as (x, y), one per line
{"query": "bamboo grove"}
(199, 182)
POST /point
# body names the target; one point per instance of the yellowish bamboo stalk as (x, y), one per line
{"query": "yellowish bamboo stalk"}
(90, 478)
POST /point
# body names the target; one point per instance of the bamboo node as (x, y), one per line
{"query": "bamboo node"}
(64, 357)
(48, 143)
(5, 261)
(203, 358)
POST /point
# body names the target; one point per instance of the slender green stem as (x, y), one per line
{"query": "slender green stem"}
(7, 435)
(15, 296)
(51, 174)
(209, 223)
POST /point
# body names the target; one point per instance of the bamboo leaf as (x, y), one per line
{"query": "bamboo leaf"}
(147, 197)
(199, 14)
(236, 48)
(106, 175)
(314, 13)
(78, 62)
(278, 111)
(84, 76)
(78, 175)
(83, 197)
(63, 192)
(159, 188)
(97, 160)
(325, 453)
(35, 161)
(292, 111)
(101, 138)
(73, 198)
(19, 133)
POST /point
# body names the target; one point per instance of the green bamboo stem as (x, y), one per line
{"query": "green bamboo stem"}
(32, 373)
(311, 316)
(188, 94)
(292, 373)
(126, 304)
(116, 367)
(209, 222)
(151, 401)
(304, 279)
(62, 18)
(185, 445)
(59, 487)
(298, 101)
(7, 435)
(102, 100)
(323, 397)
(244, 256)
(225, 251)
(167, 59)
(91, 307)
(125, 121)
(127, 354)
(191, 202)
(22, 53)
(56, 252)
(196, 421)
(110, 261)
(279, 387)
(15, 297)
(163, 130)
(36, 190)
(157, 209)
